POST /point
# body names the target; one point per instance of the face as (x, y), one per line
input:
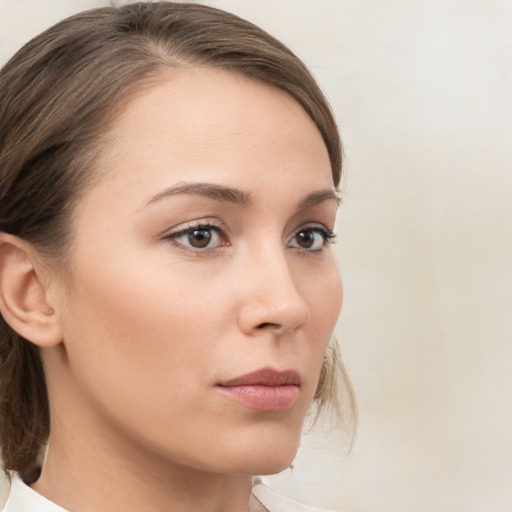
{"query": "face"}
(203, 290)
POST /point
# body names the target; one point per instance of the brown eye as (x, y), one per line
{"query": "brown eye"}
(199, 238)
(311, 239)
(305, 239)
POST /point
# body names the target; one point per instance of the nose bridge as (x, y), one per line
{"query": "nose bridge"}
(272, 300)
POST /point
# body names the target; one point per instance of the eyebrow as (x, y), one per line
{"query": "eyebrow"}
(236, 196)
(319, 197)
(210, 190)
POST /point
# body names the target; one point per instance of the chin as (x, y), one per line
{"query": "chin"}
(260, 466)
(273, 467)
(267, 455)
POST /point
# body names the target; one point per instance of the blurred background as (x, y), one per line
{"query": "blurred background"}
(422, 90)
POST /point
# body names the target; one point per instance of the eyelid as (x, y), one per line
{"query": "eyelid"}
(328, 236)
(210, 222)
(216, 225)
(204, 224)
(318, 226)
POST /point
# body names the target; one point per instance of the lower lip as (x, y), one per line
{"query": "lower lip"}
(263, 398)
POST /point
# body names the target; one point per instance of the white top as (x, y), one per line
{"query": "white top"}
(23, 498)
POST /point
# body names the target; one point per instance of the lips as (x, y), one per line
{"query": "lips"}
(264, 390)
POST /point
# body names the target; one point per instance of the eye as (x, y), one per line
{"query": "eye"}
(199, 237)
(311, 239)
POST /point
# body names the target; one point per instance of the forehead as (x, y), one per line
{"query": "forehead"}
(213, 125)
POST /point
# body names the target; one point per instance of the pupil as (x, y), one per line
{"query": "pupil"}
(306, 239)
(200, 238)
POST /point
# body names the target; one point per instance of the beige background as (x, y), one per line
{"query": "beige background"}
(423, 92)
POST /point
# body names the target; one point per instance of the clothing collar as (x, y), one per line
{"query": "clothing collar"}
(23, 498)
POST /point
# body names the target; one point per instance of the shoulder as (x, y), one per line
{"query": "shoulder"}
(274, 502)
(21, 498)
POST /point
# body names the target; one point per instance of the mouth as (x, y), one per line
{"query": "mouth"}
(265, 390)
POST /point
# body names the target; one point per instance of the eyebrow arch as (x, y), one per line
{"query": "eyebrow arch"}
(238, 197)
(319, 197)
(210, 190)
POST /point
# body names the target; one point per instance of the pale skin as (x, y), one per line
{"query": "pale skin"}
(143, 326)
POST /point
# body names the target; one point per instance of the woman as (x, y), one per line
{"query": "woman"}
(168, 192)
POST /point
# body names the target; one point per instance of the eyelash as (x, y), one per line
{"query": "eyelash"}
(189, 229)
(327, 236)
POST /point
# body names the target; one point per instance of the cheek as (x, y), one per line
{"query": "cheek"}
(140, 348)
(324, 295)
(129, 325)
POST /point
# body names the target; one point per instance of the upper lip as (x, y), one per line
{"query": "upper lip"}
(265, 377)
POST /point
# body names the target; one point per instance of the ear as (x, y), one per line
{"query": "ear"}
(23, 296)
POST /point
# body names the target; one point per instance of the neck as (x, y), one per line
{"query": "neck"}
(87, 477)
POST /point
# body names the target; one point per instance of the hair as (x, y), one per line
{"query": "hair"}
(59, 93)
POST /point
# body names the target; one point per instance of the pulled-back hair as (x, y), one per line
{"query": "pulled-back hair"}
(58, 95)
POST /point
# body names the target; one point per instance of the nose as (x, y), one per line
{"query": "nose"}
(271, 301)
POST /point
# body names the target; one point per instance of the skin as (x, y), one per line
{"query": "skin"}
(150, 325)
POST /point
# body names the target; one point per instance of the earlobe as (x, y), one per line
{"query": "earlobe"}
(23, 296)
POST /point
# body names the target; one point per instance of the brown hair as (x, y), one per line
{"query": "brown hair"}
(58, 94)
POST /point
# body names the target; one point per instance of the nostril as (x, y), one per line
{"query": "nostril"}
(264, 325)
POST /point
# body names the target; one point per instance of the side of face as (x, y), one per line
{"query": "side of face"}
(199, 258)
